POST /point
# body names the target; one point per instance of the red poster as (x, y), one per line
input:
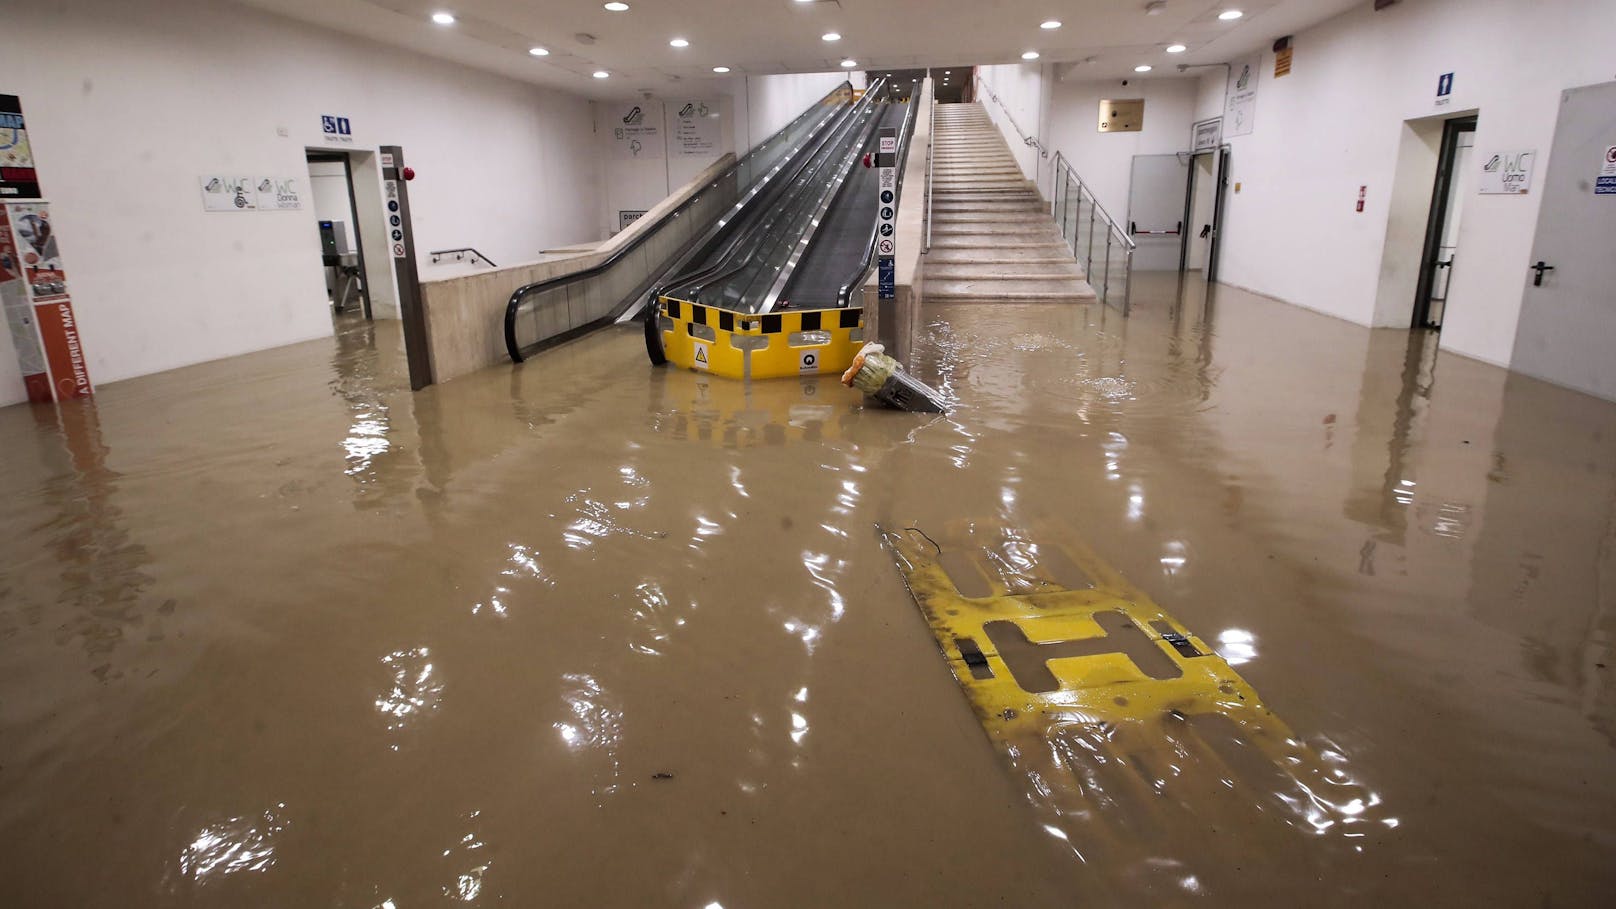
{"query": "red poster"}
(69, 377)
(32, 244)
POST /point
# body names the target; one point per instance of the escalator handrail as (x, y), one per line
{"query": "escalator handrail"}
(511, 346)
(845, 292)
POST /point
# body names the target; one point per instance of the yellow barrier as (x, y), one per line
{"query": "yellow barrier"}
(772, 345)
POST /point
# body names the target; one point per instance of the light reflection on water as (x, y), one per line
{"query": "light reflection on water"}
(415, 690)
(234, 845)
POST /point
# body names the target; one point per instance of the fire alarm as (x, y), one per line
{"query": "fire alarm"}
(409, 173)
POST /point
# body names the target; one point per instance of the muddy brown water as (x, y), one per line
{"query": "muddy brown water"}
(276, 632)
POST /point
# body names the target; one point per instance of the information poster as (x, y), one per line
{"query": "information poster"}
(34, 242)
(226, 193)
(698, 130)
(18, 179)
(1241, 114)
(19, 315)
(637, 130)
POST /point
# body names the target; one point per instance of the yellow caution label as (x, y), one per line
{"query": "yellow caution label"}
(1107, 703)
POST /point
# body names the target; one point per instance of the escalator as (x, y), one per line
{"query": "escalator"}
(768, 293)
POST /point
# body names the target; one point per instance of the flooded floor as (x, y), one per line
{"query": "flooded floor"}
(276, 632)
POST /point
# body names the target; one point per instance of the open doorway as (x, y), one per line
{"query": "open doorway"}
(336, 214)
(1454, 179)
(1203, 210)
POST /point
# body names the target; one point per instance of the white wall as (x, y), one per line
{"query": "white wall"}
(1023, 93)
(1338, 122)
(129, 102)
(1104, 160)
(752, 109)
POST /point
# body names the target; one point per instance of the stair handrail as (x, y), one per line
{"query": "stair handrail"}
(1063, 168)
(460, 253)
(1043, 152)
(931, 145)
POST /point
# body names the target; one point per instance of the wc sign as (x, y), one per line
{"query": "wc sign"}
(1507, 173)
(337, 129)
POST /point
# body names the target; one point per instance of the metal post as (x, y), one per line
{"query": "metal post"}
(401, 240)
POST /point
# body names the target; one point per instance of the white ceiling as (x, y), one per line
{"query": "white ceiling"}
(1107, 38)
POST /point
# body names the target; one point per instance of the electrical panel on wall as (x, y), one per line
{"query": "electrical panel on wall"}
(1122, 116)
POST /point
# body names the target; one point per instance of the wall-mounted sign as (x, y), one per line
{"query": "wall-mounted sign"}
(1507, 173)
(1444, 90)
(278, 194)
(222, 192)
(337, 130)
(1205, 135)
(625, 218)
(697, 129)
(637, 130)
(18, 179)
(1605, 183)
(1241, 114)
(1282, 61)
(1122, 115)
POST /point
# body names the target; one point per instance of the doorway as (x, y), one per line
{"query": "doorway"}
(1454, 183)
(1203, 212)
(1568, 320)
(336, 215)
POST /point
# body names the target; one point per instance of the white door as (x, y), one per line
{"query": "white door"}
(1567, 331)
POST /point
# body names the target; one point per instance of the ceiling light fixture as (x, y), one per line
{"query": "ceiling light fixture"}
(830, 36)
(615, 7)
(601, 74)
(720, 69)
(1229, 15)
(1142, 68)
(443, 18)
(538, 51)
(1049, 24)
(850, 63)
(1030, 55)
(1176, 48)
(678, 42)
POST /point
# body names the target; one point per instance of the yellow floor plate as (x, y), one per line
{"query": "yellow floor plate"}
(1124, 722)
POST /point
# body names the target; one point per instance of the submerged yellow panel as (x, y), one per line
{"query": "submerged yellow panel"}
(774, 345)
(1130, 730)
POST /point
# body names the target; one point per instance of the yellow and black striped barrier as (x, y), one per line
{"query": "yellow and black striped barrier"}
(759, 346)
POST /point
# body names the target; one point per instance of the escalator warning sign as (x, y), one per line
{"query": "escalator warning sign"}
(702, 361)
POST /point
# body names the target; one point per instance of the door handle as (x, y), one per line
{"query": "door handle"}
(1540, 268)
(1206, 230)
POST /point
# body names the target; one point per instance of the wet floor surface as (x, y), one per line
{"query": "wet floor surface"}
(276, 632)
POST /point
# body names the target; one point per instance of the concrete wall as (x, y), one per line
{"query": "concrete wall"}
(1105, 160)
(1341, 121)
(1023, 95)
(128, 103)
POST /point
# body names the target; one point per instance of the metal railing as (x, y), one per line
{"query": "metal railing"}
(984, 88)
(1101, 246)
(931, 145)
(460, 253)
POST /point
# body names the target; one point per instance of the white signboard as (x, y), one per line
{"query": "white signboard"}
(278, 194)
(1507, 173)
(395, 228)
(221, 192)
(1206, 134)
(1241, 114)
(637, 130)
(698, 129)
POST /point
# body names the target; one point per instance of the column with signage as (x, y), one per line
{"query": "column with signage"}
(886, 230)
(401, 241)
(33, 285)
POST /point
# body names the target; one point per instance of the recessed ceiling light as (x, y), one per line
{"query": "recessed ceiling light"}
(443, 18)
(538, 52)
(601, 74)
(1049, 23)
(1176, 48)
(1142, 68)
(850, 63)
(616, 7)
(678, 42)
(720, 69)
(1030, 55)
(830, 36)
(1229, 15)
(948, 72)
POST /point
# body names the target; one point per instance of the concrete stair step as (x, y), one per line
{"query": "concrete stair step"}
(948, 291)
(1004, 271)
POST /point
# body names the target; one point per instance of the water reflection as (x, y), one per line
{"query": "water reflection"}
(415, 691)
(593, 727)
(233, 846)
